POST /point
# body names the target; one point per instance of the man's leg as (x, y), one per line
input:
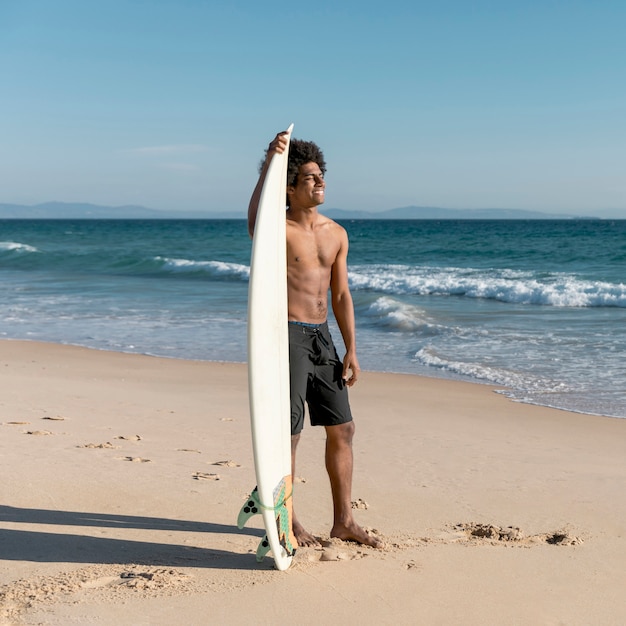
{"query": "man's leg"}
(339, 464)
(303, 537)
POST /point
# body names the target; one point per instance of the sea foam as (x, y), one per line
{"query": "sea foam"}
(491, 375)
(510, 286)
(13, 246)
(213, 268)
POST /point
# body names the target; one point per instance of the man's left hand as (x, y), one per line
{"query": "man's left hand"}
(351, 369)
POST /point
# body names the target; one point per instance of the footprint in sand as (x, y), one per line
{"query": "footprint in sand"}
(338, 550)
(561, 538)
(205, 476)
(332, 551)
(129, 438)
(334, 555)
(511, 534)
(38, 432)
(134, 459)
(226, 464)
(412, 565)
(53, 419)
(152, 579)
(24, 594)
(99, 446)
(187, 450)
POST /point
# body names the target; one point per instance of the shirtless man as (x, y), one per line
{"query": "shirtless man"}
(317, 254)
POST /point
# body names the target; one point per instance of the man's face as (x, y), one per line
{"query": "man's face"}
(309, 188)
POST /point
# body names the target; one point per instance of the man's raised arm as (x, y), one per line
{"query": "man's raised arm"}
(277, 146)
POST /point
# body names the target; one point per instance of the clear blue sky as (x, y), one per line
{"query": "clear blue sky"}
(453, 103)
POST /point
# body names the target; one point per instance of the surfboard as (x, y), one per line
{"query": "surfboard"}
(268, 371)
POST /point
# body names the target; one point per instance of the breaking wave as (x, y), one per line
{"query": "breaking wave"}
(511, 286)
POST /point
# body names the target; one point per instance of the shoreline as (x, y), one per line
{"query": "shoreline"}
(123, 475)
(502, 390)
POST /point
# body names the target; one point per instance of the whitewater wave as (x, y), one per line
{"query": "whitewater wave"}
(13, 246)
(491, 375)
(511, 286)
(220, 269)
(121, 264)
(392, 314)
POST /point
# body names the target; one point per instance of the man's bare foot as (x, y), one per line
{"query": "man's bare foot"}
(304, 538)
(353, 532)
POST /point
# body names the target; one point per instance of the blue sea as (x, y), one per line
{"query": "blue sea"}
(537, 308)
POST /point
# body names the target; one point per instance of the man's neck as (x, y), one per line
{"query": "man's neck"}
(305, 216)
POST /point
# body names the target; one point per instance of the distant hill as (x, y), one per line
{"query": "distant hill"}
(83, 210)
(438, 213)
(78, 210)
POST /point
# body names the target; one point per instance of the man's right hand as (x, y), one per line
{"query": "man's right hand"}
(278, 144)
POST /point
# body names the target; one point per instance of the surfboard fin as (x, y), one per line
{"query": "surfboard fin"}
(263, 549)
(251, 507)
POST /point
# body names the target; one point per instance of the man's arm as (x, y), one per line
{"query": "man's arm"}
(343, 308)
(277, 146)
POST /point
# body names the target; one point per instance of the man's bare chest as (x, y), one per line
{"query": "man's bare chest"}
(311, 251)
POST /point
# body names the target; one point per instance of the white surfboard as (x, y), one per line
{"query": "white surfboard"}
(268, 370)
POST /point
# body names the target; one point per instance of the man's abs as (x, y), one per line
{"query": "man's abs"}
(308, 296)
(305, 308)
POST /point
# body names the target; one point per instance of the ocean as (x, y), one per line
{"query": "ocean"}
(537, 308)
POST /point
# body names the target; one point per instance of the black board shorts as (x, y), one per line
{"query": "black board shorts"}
(316, 378)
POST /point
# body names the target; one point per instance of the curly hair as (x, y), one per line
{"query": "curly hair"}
(301, 152)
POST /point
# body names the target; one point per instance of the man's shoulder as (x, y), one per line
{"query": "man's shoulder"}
(324, 220)
(334, 229)
(334, 232)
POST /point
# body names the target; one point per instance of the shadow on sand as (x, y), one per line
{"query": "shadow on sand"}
(38, 546)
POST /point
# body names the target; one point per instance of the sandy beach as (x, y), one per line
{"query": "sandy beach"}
(122, 477)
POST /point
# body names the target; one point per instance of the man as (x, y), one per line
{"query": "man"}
(317, 253)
